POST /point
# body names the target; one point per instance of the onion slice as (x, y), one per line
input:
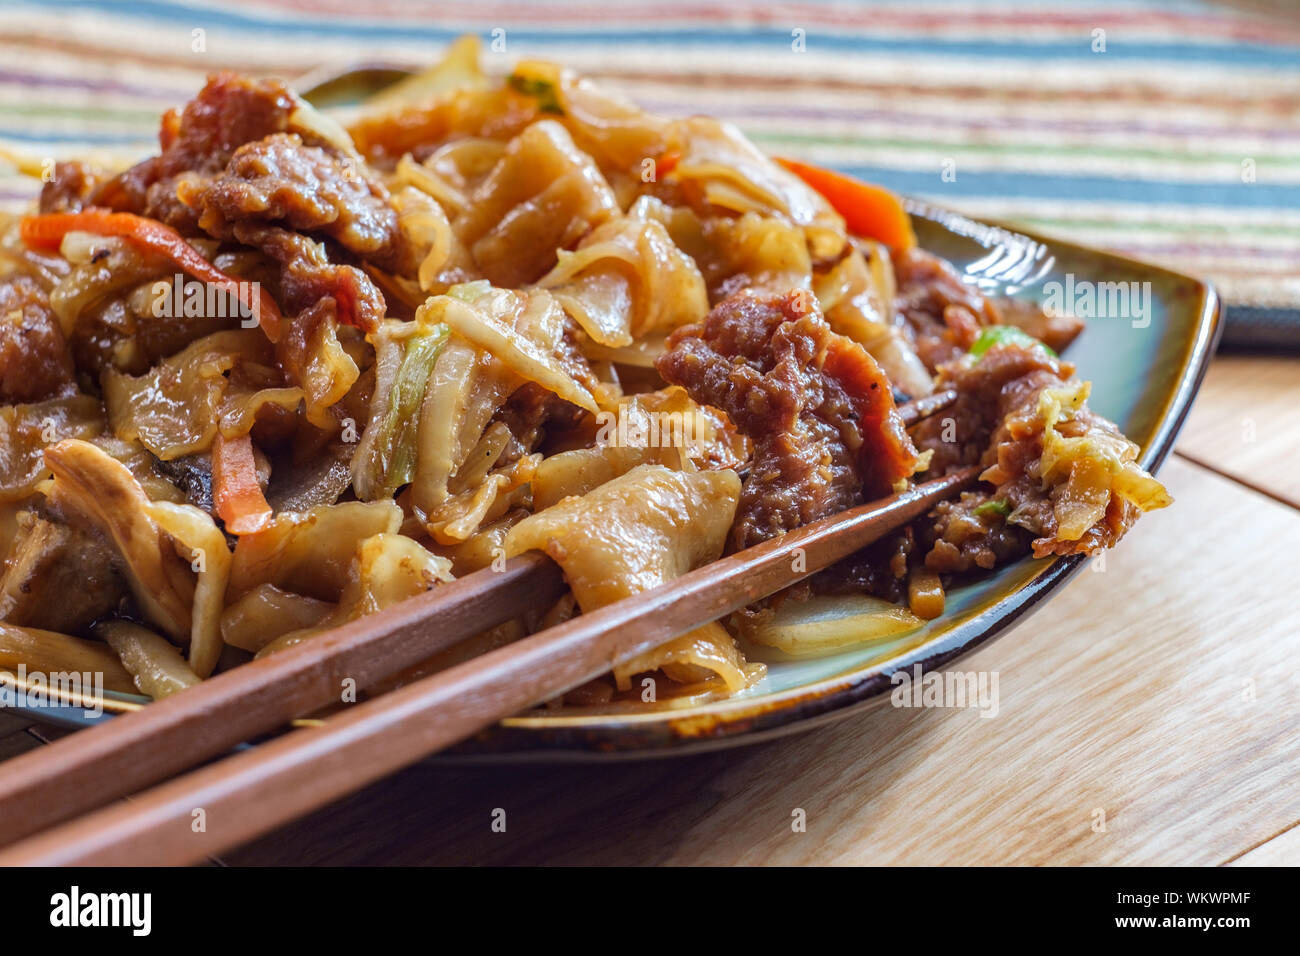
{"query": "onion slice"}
(824, 624)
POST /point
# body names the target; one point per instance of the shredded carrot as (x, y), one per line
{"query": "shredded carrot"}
(47, 232)
(872, 212)
(668, 162)
(235, 492)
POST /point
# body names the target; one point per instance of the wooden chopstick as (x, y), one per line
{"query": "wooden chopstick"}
(124, 754)
(254, 791)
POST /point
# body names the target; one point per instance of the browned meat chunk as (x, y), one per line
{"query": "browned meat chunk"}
(200, 140)
(987, 391)
(942, 315)
(71, 187)
(34, 359)
(817, 407)
(971, 533)
(307, 277)
(279, 180)
(229, 165)
(228, 112)
(880, 569)
(58, 578)
(1064, 478)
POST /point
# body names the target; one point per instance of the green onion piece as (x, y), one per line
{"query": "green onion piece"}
(999, 507)
(1005, 335)
(543, 90)
(396, 448)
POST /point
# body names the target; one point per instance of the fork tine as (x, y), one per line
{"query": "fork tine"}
(1045, 263)
(1011, 261)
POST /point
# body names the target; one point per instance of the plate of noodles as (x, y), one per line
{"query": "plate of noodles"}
(318, 355)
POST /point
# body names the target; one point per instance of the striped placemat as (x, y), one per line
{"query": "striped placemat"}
(1165, 129)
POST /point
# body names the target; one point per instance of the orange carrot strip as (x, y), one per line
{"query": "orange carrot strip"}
(235, 492)
(872, 212)
(47, 232)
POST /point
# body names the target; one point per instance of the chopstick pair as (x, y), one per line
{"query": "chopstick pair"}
(249, 793)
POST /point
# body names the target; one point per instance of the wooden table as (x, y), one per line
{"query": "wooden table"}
(1174, 718)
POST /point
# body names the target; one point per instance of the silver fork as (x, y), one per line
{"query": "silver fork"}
(1011, 262)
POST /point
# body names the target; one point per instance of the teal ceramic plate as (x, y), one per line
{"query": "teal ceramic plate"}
(1145, 370)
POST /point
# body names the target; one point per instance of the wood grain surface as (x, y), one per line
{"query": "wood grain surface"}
(1246, 423)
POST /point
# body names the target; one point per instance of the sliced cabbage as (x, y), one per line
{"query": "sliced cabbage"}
(27, 430)
(405, 356)
(241, 407)
(481, 548)
(443, 259)
(315, 359)
(524, 330)
(391, 568)
(1091, 468)
(706, 655)
(174, 408)
(49, 652)
(104, 267)
(482, 502)
(824, 624)
(267, 612)
(467, 387)
(140, 462)
(641, 354)
(154, 663)
(386, 568)
(196, 537)
(857, 305)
